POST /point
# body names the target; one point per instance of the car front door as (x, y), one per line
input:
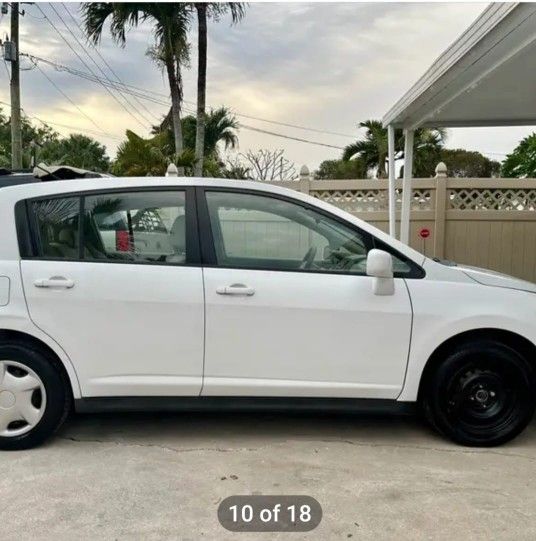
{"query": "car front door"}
(289, 308)
(120, 289)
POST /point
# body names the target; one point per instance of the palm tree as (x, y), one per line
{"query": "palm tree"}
(140, 157)
(220, 126)
(373, 148)
(170, 27)
(204, 11)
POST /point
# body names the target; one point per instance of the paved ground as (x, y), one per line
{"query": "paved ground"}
(162, 477)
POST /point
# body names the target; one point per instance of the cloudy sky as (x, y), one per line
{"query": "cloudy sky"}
(322, 66)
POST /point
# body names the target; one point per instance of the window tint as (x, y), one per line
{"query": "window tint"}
(57, 227)
(256, 231)
(137, 226)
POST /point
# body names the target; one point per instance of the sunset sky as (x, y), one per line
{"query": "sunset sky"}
(322, 66)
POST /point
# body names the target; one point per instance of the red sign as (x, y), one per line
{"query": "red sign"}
(424, 233)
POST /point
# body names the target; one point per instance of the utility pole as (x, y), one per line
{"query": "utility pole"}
(16, 133)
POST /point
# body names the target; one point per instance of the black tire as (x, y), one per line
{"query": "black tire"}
(481, 394)
(58, 395)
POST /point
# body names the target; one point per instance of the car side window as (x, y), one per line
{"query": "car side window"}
(263, 232)
(57, 227)
(136, 226)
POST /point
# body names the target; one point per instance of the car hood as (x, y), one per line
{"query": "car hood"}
(496, 279)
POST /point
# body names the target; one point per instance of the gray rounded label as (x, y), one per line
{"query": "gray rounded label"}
(269, 513)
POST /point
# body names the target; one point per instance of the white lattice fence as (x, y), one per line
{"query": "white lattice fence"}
(492, 199)
(372, 200)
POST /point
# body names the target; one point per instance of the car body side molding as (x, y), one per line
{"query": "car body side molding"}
(246, 403)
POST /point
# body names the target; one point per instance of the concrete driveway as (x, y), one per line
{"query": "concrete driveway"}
(163, 476)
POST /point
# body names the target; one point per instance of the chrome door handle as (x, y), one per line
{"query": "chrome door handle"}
(55, 281)
(235, 289)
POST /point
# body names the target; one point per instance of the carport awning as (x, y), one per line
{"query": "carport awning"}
(487, 77)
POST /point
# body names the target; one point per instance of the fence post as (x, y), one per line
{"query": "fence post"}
(172, 170)
(305, 180)
(440, 209)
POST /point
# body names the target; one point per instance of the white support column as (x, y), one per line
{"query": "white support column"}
(406, 187)
(392, 180)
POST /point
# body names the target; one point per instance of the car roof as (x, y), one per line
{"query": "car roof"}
(14, 180)
(88, 184)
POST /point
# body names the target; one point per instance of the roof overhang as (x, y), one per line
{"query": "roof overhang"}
(487, 77)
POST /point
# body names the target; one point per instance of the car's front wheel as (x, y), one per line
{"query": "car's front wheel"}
(34, 398)
(481, 394)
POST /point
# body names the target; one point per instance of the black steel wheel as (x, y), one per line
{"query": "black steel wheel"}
(482, 394)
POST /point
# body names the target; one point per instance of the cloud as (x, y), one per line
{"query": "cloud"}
(324, 65)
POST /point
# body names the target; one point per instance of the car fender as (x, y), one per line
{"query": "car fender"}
(445, 310)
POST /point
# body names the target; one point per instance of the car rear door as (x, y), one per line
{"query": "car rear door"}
(289, 309)
(125, 303)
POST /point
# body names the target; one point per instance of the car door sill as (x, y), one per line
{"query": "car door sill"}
(246, 403)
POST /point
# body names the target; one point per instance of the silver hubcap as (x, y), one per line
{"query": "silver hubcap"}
(22, 399)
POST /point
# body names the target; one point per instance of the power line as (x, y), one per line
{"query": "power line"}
(82, 46)
(45, 122)
(70, 100)
(75, 71)
(93, 78)
(112, 71)
(299, 139)
(316, 130)
(287, 125)
(275, 134)
(88, 67)
(245, 126)
(139, 92)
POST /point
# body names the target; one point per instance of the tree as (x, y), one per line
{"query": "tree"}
(268, 165)
(141, 157)
(235, 169)
(468, 164)
(373, 148)
(31, 136)
(521, 162)
(204, 11)
(77, 151)
(170, 27)
(220, 127)
(340, 169)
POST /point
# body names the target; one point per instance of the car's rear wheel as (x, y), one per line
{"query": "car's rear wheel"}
(34, 397)
(481, 394)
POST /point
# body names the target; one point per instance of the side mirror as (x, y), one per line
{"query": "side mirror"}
(380, 267)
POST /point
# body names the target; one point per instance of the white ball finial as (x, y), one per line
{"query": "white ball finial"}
(172, 170)
(304, 171)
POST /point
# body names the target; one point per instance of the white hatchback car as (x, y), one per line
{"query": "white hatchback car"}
(154, 293)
